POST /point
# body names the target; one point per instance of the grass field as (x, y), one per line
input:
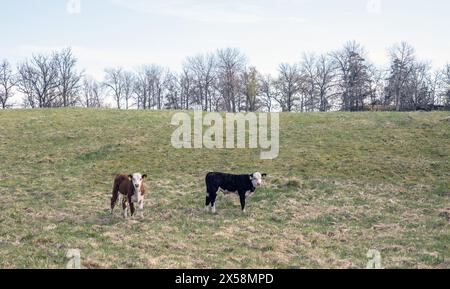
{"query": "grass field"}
(344, 183)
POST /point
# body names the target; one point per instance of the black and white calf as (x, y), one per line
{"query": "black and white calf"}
(231, 184)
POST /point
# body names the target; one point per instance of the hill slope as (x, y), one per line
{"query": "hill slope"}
(343, 184)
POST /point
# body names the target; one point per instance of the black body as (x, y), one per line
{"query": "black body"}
(240, 184)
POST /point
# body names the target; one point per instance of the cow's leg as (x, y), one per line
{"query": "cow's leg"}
(242, 199)
(125, 207)
(132, 209)
(211, 192)
(212, 198)
(115, 196)
(207, 203)
(141, 208)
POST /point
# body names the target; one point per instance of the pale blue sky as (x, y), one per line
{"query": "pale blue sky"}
(131, 32)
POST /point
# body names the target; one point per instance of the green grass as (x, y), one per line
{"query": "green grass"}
(344, 183)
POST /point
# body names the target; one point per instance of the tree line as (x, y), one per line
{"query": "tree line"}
(225, 81)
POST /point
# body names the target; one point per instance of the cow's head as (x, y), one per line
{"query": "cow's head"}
(138, 182)
(257, 178)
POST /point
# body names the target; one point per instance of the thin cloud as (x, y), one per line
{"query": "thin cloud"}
(209, 12)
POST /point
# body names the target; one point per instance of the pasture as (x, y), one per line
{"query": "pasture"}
(344, 183)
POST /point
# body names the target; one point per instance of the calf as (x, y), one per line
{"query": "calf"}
(227, 183)
(131, 187)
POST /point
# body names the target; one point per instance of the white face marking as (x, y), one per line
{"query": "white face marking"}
(137, 183)
(257, 180)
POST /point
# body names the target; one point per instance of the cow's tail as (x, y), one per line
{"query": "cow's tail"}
(115, 195)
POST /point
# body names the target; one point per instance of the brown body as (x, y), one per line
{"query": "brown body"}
(124, 185)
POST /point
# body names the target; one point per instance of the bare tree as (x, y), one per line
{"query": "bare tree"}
(420, 94)
(68, 77)
(92, 93)
(7, 83)
(217, 100)
(325, 82)
(149, 86)
(411, 84)
(159, 75)
(403, 61)
(288, 87)
(143, 87)
(230, 64)
(354, 80)
(266, 91)
(187, 86)
(441, 87)
(128, 80)
(318, 82)
(114, 81)
(121, 84)
(377, 85)
(38, 80)
(436, 87)
(446, 85)
(202, 68)
(171, 91)
(251, 88)
(308, 83)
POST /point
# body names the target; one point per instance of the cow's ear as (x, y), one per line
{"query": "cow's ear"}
(130, 177)
(144, 176)
(264, 175)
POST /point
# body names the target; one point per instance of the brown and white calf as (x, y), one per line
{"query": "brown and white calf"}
(132, 189)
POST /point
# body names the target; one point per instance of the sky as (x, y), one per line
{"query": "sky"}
(128, 33)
